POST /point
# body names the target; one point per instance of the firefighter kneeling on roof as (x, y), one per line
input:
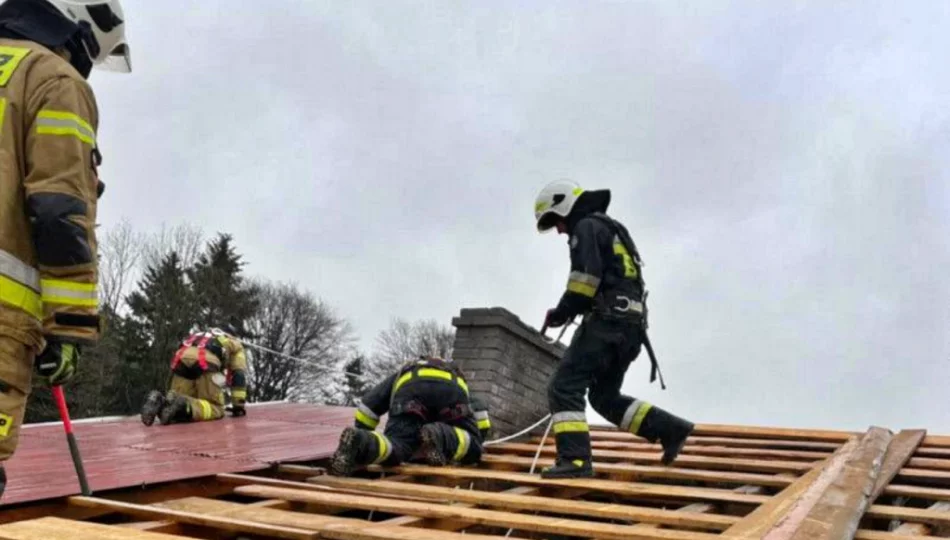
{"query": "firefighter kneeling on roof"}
(430, 411)
(198, 381)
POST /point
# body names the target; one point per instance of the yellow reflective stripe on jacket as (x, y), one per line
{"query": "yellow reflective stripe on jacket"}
(431, 373)
(581, 288)
(49, 122)
(366, 420)
(20, 285)
(69, 293)
(464, 442)
(19, 296)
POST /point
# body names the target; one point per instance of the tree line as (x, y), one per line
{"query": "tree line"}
(156, 288)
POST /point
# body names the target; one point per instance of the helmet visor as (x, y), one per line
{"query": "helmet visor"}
(547, 221)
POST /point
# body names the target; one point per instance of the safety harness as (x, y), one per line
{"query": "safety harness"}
(204, 341)
(621, 232)
(431, 369)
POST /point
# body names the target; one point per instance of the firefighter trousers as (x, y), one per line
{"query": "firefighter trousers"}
(461, 441)
(16, 376)
(205, 397)
(596, 360)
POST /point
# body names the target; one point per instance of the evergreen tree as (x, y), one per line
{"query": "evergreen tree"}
(223, 298)
(355, 380)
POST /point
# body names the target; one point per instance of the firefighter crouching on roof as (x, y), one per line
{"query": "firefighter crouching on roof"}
(48, 192)
(430, 411)
(606, 284)
(198, 381)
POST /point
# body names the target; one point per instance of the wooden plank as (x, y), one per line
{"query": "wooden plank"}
(53, 528)
(243, 480)
(516, 502)
(841, 506)
(809, 486)
(732, 442)
(646, 471)
(929, 463)
(899, 451)
(940, 441)
(917, 492)
(704, 450)
(902, 513)
(225, 524)
(932, 452)
(324, 526)
(706, 508)
(448, 524)
(684, 460)
(475, 516)
(924, 476)
(923, 529)
(881, 535)
(824, 435)
(630, 489)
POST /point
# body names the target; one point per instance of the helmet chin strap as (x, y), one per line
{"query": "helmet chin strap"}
(82, 47)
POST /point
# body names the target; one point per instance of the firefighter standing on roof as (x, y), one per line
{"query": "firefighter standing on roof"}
(430, 410)
(198, 381)
(606, 285)
(48, 191)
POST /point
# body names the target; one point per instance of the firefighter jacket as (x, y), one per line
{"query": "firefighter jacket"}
(380, 399)
(205, 352)
(606, 276)
(48, 197)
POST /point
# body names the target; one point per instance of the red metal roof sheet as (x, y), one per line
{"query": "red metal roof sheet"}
(119, 453)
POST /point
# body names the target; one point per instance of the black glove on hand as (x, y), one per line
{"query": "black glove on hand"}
(58, 362)
(554, 318)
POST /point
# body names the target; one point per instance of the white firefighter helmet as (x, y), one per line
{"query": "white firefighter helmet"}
(107, 23)
(555, 201)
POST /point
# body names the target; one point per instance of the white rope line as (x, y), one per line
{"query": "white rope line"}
(519, 434)
(305, 361)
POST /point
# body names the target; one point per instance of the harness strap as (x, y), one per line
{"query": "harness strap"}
(181, 350)
(202, 352)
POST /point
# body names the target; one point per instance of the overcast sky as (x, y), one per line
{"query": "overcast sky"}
(782, 167)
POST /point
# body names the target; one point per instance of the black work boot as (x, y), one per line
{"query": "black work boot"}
(3, 480)
(175, 410)
(433, 445)
(344, 460)
(153, 404)
(672, 432)
(568, 468)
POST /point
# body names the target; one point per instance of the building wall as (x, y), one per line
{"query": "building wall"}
(507, 364)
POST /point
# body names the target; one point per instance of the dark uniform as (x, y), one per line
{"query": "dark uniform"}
(430, 409)
(606, 285)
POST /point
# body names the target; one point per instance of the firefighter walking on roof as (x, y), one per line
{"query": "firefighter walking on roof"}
(203, 366)
(49, 188)
(606, 286)
(430, 411)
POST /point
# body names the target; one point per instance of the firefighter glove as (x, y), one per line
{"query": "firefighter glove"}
(58, 362)
(555, 318)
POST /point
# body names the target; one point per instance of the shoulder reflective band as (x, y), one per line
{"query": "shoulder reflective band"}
(464, 442)
(69, 293)
(431, 373)
(20, 285)
(49, 122)
(629, 269)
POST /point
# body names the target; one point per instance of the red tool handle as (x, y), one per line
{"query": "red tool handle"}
(60, 399)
